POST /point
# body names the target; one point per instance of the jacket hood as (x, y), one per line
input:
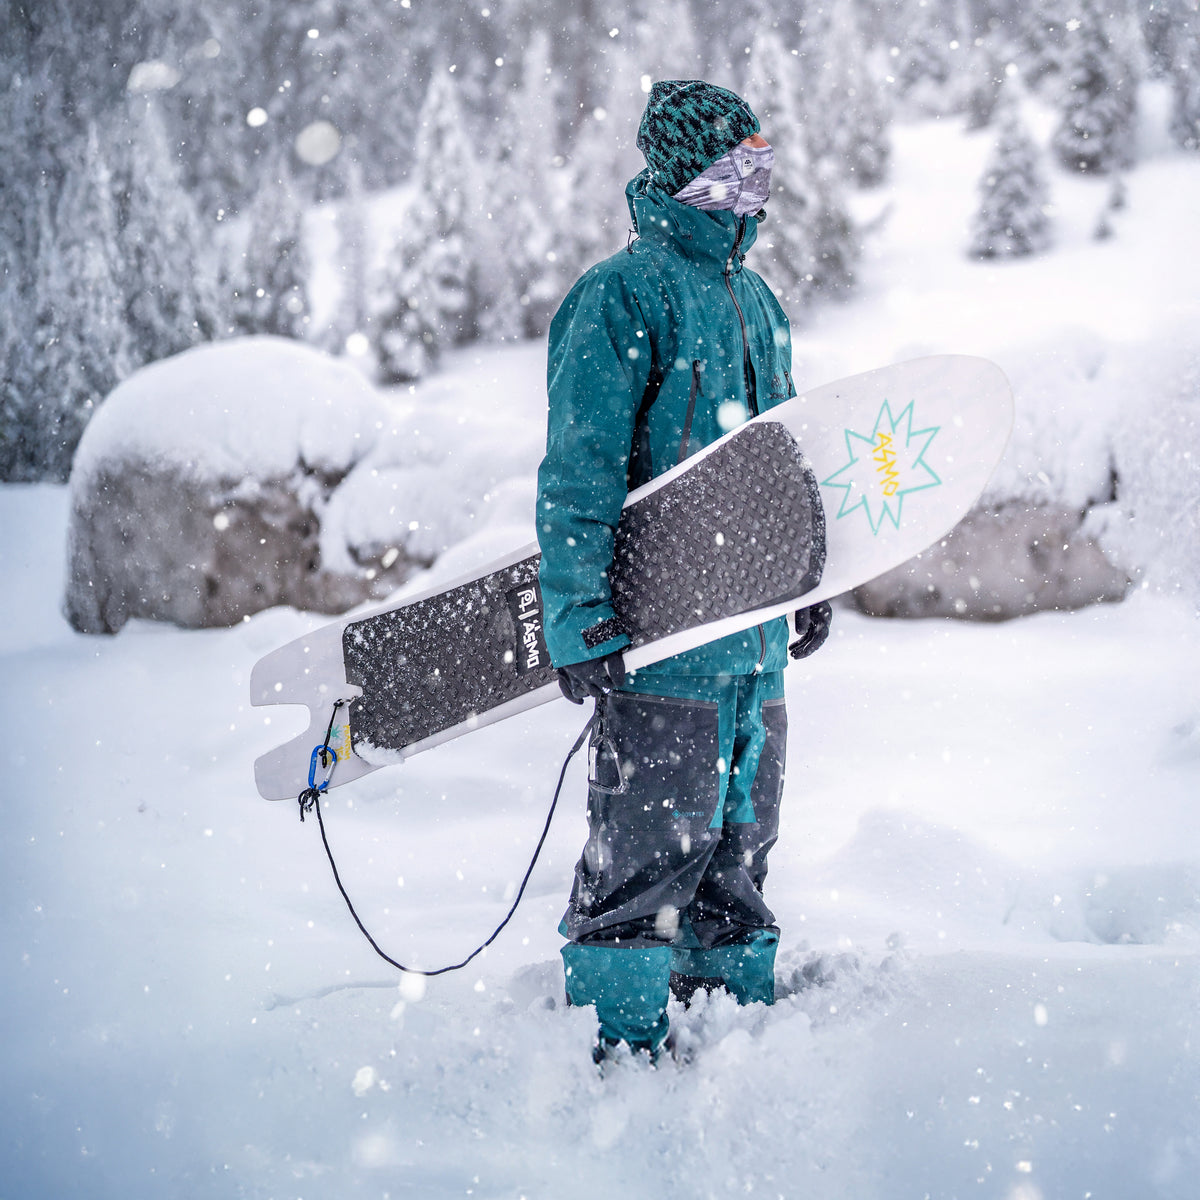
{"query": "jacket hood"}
(695, 232)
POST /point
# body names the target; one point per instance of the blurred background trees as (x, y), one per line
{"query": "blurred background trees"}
(163, 164)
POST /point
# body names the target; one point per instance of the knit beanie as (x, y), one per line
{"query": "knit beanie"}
(688, 124)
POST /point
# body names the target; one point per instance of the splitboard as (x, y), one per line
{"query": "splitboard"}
(854, 477)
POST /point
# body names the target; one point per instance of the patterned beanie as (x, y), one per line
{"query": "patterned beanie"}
(688, 124)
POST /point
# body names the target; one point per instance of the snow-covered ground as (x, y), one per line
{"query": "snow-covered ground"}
(988, 877)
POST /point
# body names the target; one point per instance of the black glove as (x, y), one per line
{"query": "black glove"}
(812, 628)
(595, 677)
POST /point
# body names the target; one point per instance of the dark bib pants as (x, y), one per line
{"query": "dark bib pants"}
(683, 808)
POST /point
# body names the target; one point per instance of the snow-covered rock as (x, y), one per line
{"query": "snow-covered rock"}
(259, 471)
(198, 489)
(1000, 563)
(1099, 487)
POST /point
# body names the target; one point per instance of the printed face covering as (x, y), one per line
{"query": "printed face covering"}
(739, 181)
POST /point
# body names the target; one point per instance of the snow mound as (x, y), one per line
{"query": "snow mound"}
(249, 407)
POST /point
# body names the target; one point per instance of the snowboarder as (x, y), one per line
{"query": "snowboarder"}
(656, 352)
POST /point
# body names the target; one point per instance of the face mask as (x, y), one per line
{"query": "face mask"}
(739, 182)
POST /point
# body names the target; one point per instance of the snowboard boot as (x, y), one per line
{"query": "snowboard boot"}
(685, 987)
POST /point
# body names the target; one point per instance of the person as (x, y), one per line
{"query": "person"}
(656, 352)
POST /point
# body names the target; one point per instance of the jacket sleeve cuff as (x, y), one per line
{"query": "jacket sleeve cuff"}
(586, 633)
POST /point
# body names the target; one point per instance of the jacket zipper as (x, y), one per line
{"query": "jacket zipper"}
(747, 366)
(693, 393)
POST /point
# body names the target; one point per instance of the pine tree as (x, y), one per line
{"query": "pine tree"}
(353, 261)
(595, 222)
(1011, 220)
(664, 43)
(988, 72)
(169, 265)
(268, 280)
(1184, 42)
(1041, 35)
(1096, 134)
(930, 53)
(427, 292)
(846, 112)
(86, 346)
(521, 259)
(807, 246)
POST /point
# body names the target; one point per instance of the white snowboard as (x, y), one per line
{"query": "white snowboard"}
(901, 454)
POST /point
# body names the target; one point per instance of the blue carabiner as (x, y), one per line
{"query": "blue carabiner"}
(318, 753)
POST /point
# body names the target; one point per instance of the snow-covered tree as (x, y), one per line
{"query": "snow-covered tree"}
(987, 75)
(74, 344)
(426, 297)
(353, 263)
(520, 275)
(1040, 32)
(595, 219)
(929, 53)
(1184, 70)
(169, 267)
(846, 111)
(664, 44)
(1012, 220)
(267, 281)
(1096, 133)
(807, 245)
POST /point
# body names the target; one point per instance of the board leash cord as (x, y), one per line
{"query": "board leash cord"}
(310, 801)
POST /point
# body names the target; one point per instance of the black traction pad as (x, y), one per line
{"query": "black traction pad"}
(742, 530)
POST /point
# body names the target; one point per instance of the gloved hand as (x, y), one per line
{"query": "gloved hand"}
(812, 628)
(594, 677)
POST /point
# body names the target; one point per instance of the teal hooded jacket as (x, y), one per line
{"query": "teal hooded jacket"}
(655, 353)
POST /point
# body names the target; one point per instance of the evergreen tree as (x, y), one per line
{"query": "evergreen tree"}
(74, 341)
(1041, 34)
(169, 275)
(353, 260)
(988, 72)
(596, 220)
(1011, 220)
(267, 282)
(930, 52)
(664, 44)
(1096, 134)
(1184, 43)
(807, 246)
(846, 112)
(521, 256)
(426, 297)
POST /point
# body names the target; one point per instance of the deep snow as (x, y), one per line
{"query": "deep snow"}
(987, 878)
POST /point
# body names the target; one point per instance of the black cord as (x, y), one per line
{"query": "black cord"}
(312, 800)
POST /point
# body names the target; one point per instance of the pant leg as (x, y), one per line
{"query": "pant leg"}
(733, 932)
(654, 796)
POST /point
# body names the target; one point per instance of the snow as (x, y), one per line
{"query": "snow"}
(249, 406)
(987, 876)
